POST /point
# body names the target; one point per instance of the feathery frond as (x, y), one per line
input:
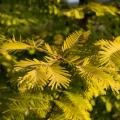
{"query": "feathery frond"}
(38, 74)
(101, 9)
(24, 105)
(76, 108)
(110, 53)
(58, 76)
(98, 78)
(35, 78)
(71, 40)
(75, 13)
(15, 45)
(24, 64)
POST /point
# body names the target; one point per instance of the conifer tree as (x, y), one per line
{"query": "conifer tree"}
(61, 80)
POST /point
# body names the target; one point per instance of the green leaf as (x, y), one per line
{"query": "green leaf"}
(108, 106)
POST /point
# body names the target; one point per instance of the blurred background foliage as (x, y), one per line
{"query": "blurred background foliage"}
(53, 20)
